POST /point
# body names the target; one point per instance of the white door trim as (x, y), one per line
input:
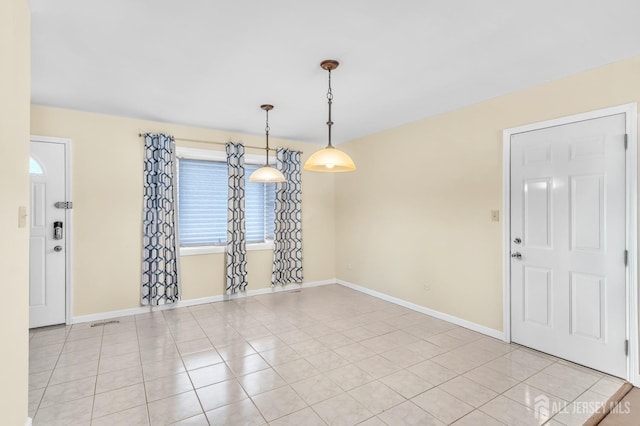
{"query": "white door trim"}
(631, 115)
(68, 221)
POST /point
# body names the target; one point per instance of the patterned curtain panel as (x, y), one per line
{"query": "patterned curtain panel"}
(159, 222)
(287, 253)
(236, 235)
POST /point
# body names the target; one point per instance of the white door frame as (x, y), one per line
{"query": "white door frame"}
(68, 216)
(631, 115)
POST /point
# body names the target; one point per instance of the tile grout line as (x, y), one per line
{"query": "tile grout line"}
(186, 370)
(144, 382)
(46, 387)
(231, 320)
(95, 386)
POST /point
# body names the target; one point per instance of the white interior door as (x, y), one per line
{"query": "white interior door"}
(47, 248)
(568, 224)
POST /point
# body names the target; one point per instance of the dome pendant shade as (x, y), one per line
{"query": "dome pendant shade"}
(329, 159)
(267, 174)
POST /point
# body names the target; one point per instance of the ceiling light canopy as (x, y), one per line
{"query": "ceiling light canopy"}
(267, 173)
(329, 159)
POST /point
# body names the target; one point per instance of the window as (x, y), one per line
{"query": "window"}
(202, 203)
(34, 167)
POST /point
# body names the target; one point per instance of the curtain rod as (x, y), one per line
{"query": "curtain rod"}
(214, 142)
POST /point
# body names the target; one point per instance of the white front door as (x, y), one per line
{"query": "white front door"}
(568, 227)
(47, 246)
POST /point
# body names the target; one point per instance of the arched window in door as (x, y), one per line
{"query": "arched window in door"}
(34, 167)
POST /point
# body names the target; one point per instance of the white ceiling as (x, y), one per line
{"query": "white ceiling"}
(211, 63)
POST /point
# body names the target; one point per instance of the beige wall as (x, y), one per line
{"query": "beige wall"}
(417, 211)
(107, 197)
(14, 192)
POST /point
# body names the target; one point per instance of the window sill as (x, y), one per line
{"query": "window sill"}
(194, 251)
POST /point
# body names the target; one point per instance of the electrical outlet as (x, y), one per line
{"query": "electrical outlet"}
(495, 215)
(426, 287)
(349, 266)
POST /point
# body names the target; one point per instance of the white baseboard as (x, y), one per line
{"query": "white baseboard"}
(29, 421)
(192, 302)
(219, 298)
(110, 314)
(278, 289)
(437, 314)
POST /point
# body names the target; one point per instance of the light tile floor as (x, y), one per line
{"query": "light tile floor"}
(323, 355)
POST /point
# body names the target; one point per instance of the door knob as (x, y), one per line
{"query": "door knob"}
(57, 248)
(516, 255)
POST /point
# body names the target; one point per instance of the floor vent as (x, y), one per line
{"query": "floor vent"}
(105, 323)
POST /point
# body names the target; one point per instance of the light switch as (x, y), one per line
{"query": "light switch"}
(22, 216)
(495, 215)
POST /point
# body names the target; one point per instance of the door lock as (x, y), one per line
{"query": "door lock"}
(517, 240)
(516, 255)
(57, 230)
(57, 248)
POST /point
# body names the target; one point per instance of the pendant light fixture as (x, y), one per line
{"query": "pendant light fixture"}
(267, 173)
(329, 159)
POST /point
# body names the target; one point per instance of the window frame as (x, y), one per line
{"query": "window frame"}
(221, 156)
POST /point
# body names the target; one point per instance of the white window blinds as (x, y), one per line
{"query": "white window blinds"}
(202, 204)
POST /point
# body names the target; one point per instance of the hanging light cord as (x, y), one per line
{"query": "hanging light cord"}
(330, 99)
(266, 129)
